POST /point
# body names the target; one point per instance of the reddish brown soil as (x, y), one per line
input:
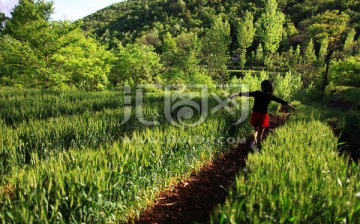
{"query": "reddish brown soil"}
(194, 199)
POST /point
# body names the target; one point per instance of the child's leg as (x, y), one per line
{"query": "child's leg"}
(256, 133)
(260, 136)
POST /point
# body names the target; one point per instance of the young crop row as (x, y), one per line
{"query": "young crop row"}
(38, 138)
(116, 180)
(33, 141)
(25, 105)
(298, 177)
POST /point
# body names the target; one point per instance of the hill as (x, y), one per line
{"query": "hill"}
(132, 19)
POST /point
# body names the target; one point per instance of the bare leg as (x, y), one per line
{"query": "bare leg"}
(256, 133)
(260, 136)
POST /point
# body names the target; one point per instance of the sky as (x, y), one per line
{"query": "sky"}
(66, 9)
(76, 9)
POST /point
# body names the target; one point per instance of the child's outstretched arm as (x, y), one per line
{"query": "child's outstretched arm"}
(291, 106)
(241, 94)
(233, 95)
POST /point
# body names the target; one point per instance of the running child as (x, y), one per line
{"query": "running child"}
(259, 117)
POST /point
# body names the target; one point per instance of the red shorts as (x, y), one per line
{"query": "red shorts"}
(259, 120)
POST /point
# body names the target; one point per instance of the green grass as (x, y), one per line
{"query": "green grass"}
(17, 106)
(298, 177)
(87, 167)
(350, 95)
(345, 98)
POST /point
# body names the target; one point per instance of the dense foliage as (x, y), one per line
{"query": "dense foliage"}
(183, 40)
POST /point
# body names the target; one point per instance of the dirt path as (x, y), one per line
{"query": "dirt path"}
(195, 198)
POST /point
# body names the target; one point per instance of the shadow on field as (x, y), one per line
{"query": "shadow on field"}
(194, 199)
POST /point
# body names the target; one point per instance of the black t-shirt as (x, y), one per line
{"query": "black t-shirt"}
(262, 101)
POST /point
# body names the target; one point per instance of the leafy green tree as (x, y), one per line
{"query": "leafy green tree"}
(189, 51)
(324, 43)
(169, 50)
(259, 54)
(310, 52)
(245, 35)
(18, 63)
(49, 54)
(346, 71)
(83, 65)
(349, 42)
(357, 46)
(215, 47)
(331, 26)
(28, 16)
(151, 38)
(30, 27)
(297, 55)
(182, 52)
(135, 64)
(181, 57)
(269, 28)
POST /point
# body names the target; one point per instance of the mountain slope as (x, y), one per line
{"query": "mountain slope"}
(131, 19)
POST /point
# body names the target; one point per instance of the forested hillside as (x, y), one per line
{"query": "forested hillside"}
(133, 19)
(183, 41)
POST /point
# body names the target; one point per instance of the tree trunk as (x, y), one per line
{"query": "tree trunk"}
(327, 63)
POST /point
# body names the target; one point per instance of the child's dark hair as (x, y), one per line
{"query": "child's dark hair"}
(267, 87)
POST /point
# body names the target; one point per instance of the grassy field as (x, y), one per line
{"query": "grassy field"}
(66, 156)
(298, 177)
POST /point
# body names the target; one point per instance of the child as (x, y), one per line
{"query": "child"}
(260, 118)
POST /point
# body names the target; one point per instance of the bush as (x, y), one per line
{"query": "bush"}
(287, 86)
(346, 72)
(252, 79)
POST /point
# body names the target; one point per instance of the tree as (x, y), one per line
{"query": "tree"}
(310, 52)
(331, 26)
(349, 42)
(188, 54)
(135, 64)
(269, 28)
(215, 47)
(151, 38)
(182, 52)
(169, 50)
(84, 64)
(18, 63)
(259, 55)
(28, 28)
(245, 35)
(29, 25)
(324, 43)
(357, 46)
(51, 54)
(297, 55)
(27, 16)
(181, 58)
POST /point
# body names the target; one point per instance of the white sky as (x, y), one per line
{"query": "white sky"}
(76, 9)
(66, 9)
